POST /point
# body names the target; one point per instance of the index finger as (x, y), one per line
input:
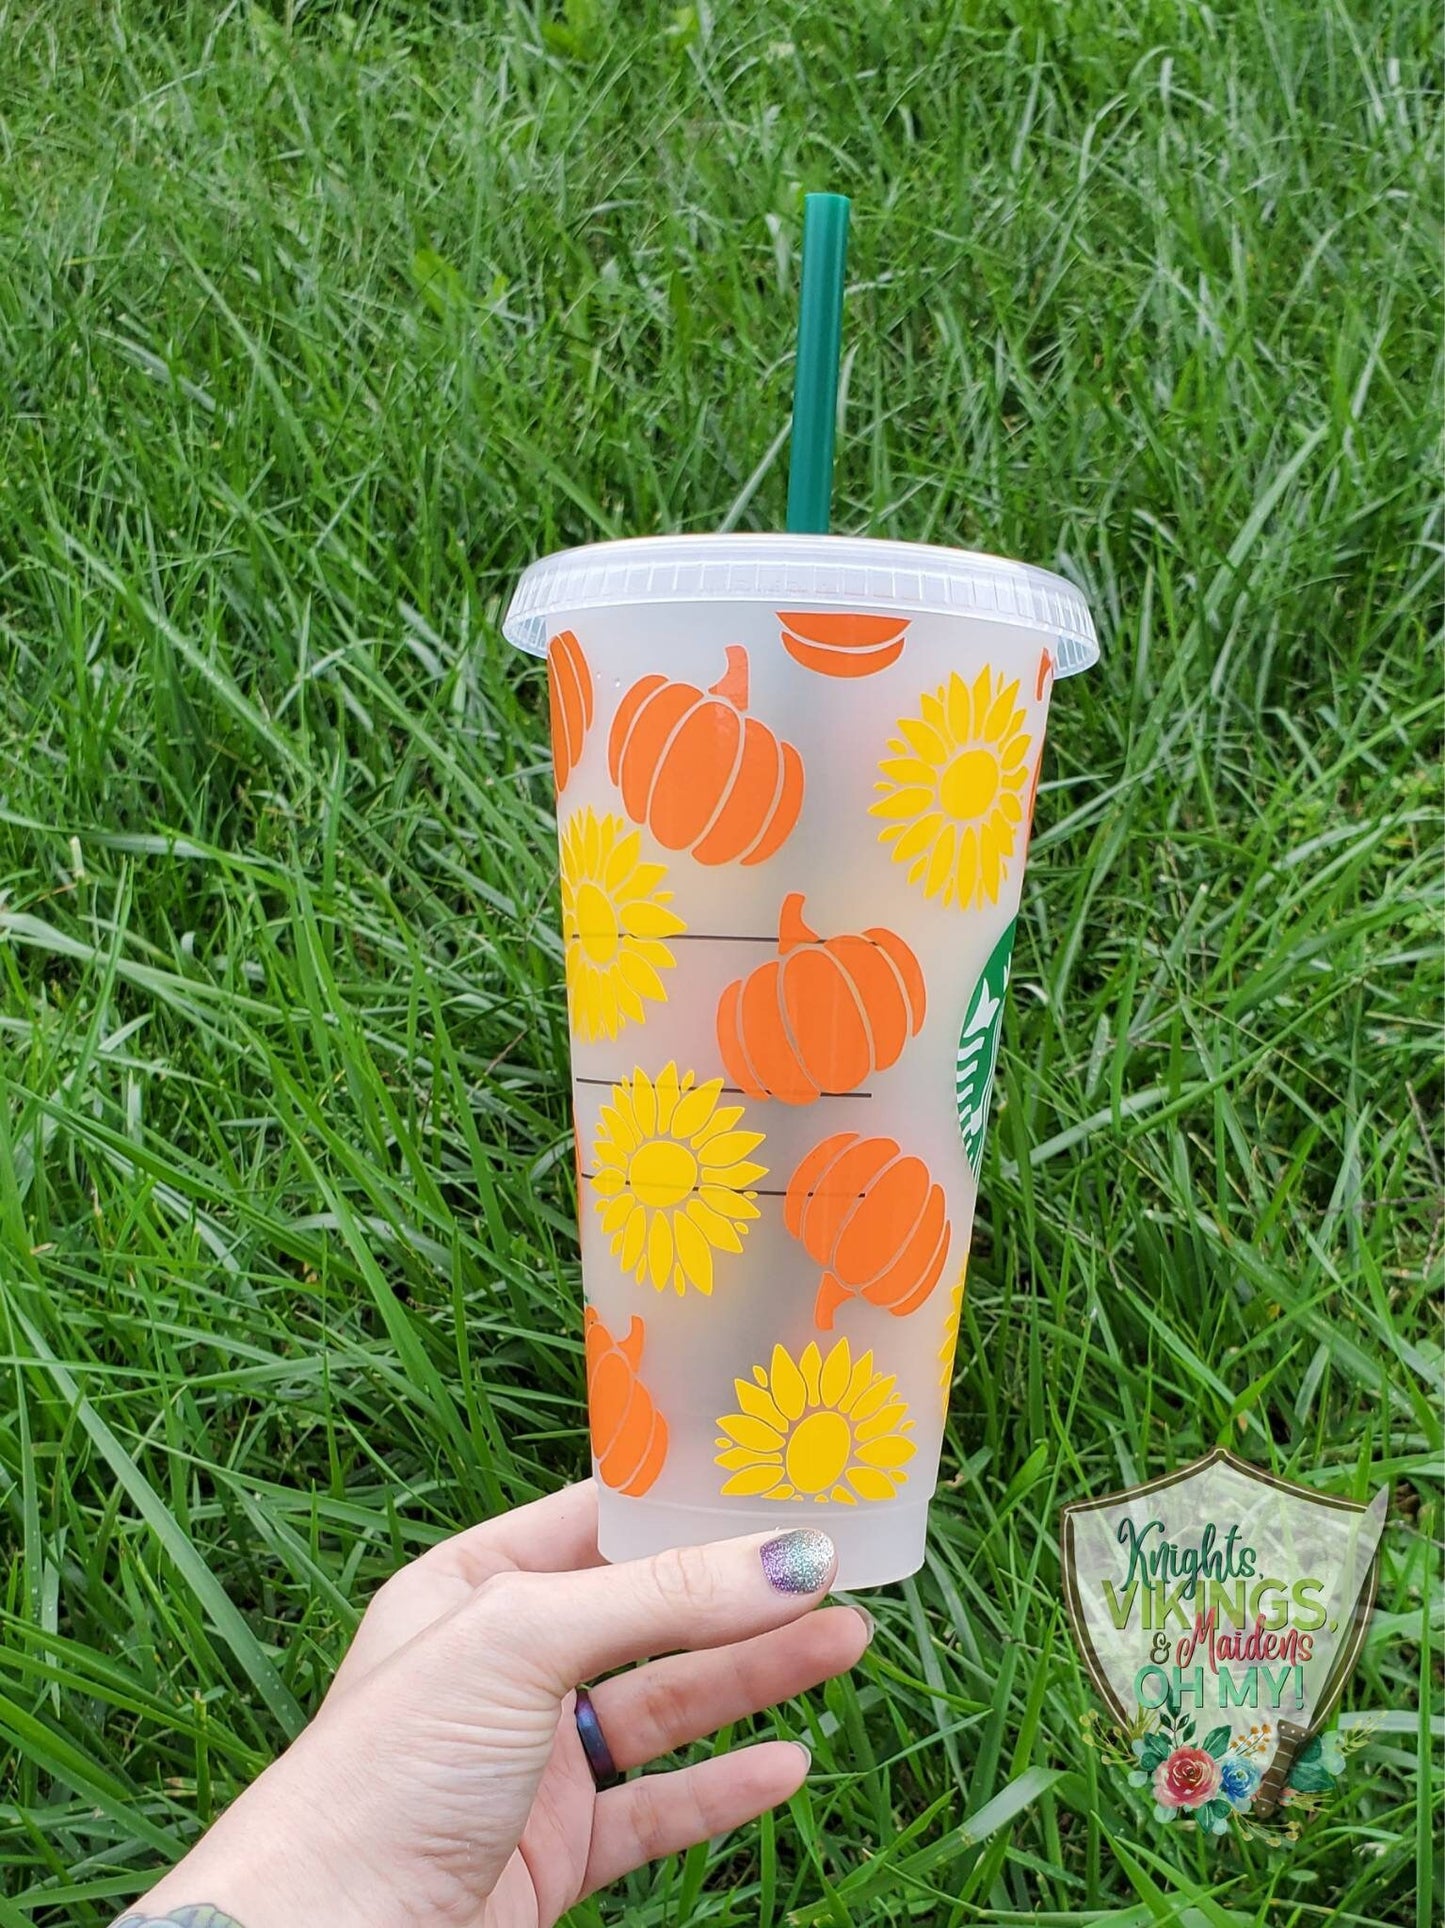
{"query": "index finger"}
(555, 1534)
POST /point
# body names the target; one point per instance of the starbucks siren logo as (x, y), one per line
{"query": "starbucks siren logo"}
(1220, 1612)
(978, 1044)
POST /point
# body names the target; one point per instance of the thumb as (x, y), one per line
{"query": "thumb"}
(572, 1626)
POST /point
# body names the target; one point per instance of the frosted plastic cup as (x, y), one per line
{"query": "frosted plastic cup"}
(795, 777)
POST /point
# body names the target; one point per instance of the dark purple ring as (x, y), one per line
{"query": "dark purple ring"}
(594, 1743)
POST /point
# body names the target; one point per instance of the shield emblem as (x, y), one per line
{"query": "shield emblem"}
(1220, 1611)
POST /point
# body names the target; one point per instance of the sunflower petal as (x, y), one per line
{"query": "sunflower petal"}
(659, 1249)
(727, 1147)
(862, 1373)
(908, 769)
(982, 696)
(762, 1406)
(737, 1456)
(733, 1178)
(716, 1229)
(874, 1399)
(1000, 719)
(748, 1431)
(888, 1452)
(644, 1102)
(933, 710)
(880, 1422)
(906, 802)
(632, 1239)
(752, 1481)
(992, 868)
(837, 1368)
(959, 709)
(623, 999)
(870, 1484)
(940, 862)
(616, 1120)
(592, 842)
(616, 1211)
(810, 1365)
(694, 1109)
(917, 837)
(731, 1205)
(694, 1254)
(927, 743)
(966, 882)
(635, 970)
(786, 1384)
(667, 1087)
(649, 919)
(646, 878)
(724, 1117)
(621, 859)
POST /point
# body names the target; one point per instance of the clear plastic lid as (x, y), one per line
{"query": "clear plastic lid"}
(802, 572)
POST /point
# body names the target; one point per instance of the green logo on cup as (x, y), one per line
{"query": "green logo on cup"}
(978, 1048)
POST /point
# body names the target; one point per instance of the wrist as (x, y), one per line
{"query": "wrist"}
(291, 1850)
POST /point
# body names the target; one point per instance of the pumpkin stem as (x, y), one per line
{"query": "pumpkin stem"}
(792, 931)
(830, 1296)
(732, 685)
(631, 1346)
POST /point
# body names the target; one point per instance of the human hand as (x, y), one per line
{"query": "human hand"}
(443, 1778)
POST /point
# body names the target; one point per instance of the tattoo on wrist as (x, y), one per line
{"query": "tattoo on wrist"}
(194, 1914)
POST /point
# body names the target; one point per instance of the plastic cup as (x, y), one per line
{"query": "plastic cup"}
(795, 779)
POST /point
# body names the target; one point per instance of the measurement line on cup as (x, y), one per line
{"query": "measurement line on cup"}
(736, 1090)
(751, 1191)
(696, 937)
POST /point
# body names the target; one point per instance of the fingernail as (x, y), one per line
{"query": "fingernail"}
(798, 1562)
(870, 1625)
(806, 1752)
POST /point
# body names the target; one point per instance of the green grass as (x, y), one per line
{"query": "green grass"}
(312, 332)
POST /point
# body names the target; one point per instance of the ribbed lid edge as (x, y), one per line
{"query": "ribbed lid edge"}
(805, 572)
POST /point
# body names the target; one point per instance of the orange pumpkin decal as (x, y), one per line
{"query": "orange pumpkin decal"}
(1031, 799)
(629, 1434)
(840, 645)
(700, 773)
(569, 698)
(1045, 675)
(823, 1015)
(874, 1218)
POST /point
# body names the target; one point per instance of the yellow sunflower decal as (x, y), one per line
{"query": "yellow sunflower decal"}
(950, 1340)
(614, 918)
(672, 1177)
(821, 1428)
(952, 789)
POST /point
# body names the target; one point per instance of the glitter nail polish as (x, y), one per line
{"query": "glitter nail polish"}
(798, 1562)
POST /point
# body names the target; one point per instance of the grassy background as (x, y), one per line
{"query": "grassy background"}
(313, 330)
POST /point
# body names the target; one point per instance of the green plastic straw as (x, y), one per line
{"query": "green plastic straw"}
(815, 380)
